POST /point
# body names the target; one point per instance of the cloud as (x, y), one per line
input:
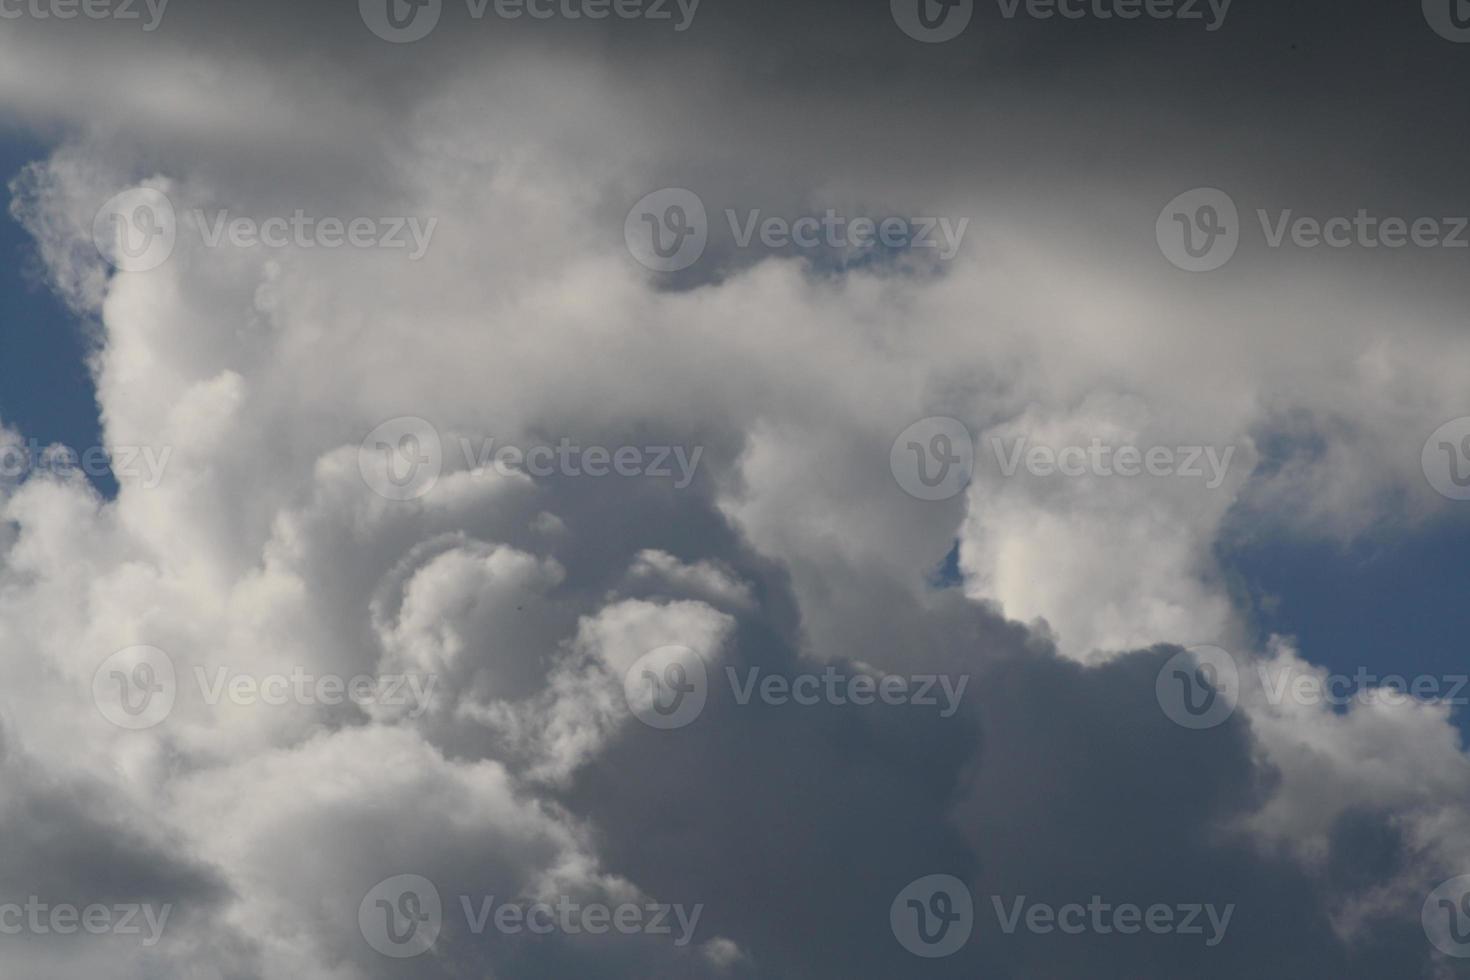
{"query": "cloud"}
(794, 550)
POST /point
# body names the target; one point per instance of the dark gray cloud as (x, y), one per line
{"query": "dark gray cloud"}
(793, 549)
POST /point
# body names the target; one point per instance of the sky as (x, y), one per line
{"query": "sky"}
(767, 490)
(47, 389)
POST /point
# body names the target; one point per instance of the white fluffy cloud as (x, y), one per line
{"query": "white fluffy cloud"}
(263, 550)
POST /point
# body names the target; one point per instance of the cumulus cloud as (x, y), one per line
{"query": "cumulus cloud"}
(521, 601)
